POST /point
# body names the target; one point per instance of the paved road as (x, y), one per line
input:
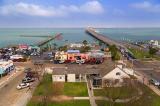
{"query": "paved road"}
(9, 94)
(149, 73)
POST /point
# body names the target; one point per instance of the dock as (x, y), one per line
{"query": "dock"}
(34, 36)
(50, 38)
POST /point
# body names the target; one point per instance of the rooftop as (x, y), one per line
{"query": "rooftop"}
(76, 69)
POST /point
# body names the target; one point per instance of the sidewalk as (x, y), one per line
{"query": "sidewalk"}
(4, 80)
(91, 94)
(81, 98)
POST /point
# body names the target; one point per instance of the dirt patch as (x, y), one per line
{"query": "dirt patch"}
(58, 98)
(58, 88)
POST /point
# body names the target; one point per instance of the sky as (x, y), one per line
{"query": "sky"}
(79, 13)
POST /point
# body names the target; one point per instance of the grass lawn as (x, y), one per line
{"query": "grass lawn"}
(139, 54)
(116, 92)
(148, 98)
(65, 103)
(70, 89)
(48, 89)
(45, 87)
(106, 103)
(75, 89)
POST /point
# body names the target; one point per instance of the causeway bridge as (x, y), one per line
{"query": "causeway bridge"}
(103, 38)
(122, 48)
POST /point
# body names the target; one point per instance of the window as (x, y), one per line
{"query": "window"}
(77, 76)
(118, 73)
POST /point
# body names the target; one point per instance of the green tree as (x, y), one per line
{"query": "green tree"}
(63, 48)
(55, 46)
(100, 43)
(114, 52)
(152, 51)
(85, 42)
(84, 49)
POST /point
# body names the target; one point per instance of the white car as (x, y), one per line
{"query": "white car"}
(23, 85)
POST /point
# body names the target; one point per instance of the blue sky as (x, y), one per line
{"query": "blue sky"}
(79, 13)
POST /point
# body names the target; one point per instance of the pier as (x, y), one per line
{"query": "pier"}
(34, 36)
(50, 38)
(103, 38)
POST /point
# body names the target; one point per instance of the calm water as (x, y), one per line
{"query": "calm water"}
(10, 36)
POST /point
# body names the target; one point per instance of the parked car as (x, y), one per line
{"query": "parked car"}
(154, 82)
(23, 85)
(26, 70)
(27, 80)
(80, 61)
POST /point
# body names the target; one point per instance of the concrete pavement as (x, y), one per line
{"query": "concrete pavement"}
(90, 93)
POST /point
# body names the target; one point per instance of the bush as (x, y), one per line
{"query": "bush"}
(114, 52)
(152, 51)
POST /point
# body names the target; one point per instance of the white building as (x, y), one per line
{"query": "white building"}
(113, 76)
(78, 45)
(6, 66)
(75, 45)
(71, 74)
(116, 74)
(154, 42)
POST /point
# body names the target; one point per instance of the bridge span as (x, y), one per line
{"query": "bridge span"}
(103, 38)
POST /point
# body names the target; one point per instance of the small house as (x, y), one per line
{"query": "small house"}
(110, 75)
(72, 74)
(115, 77)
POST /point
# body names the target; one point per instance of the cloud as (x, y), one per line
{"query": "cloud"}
(118, 12)
(93, 7)
(147, 6)
(90, 7)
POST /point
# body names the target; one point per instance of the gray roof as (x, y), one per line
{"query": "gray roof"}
(106, 67)
(101, 69)
(75, 69)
